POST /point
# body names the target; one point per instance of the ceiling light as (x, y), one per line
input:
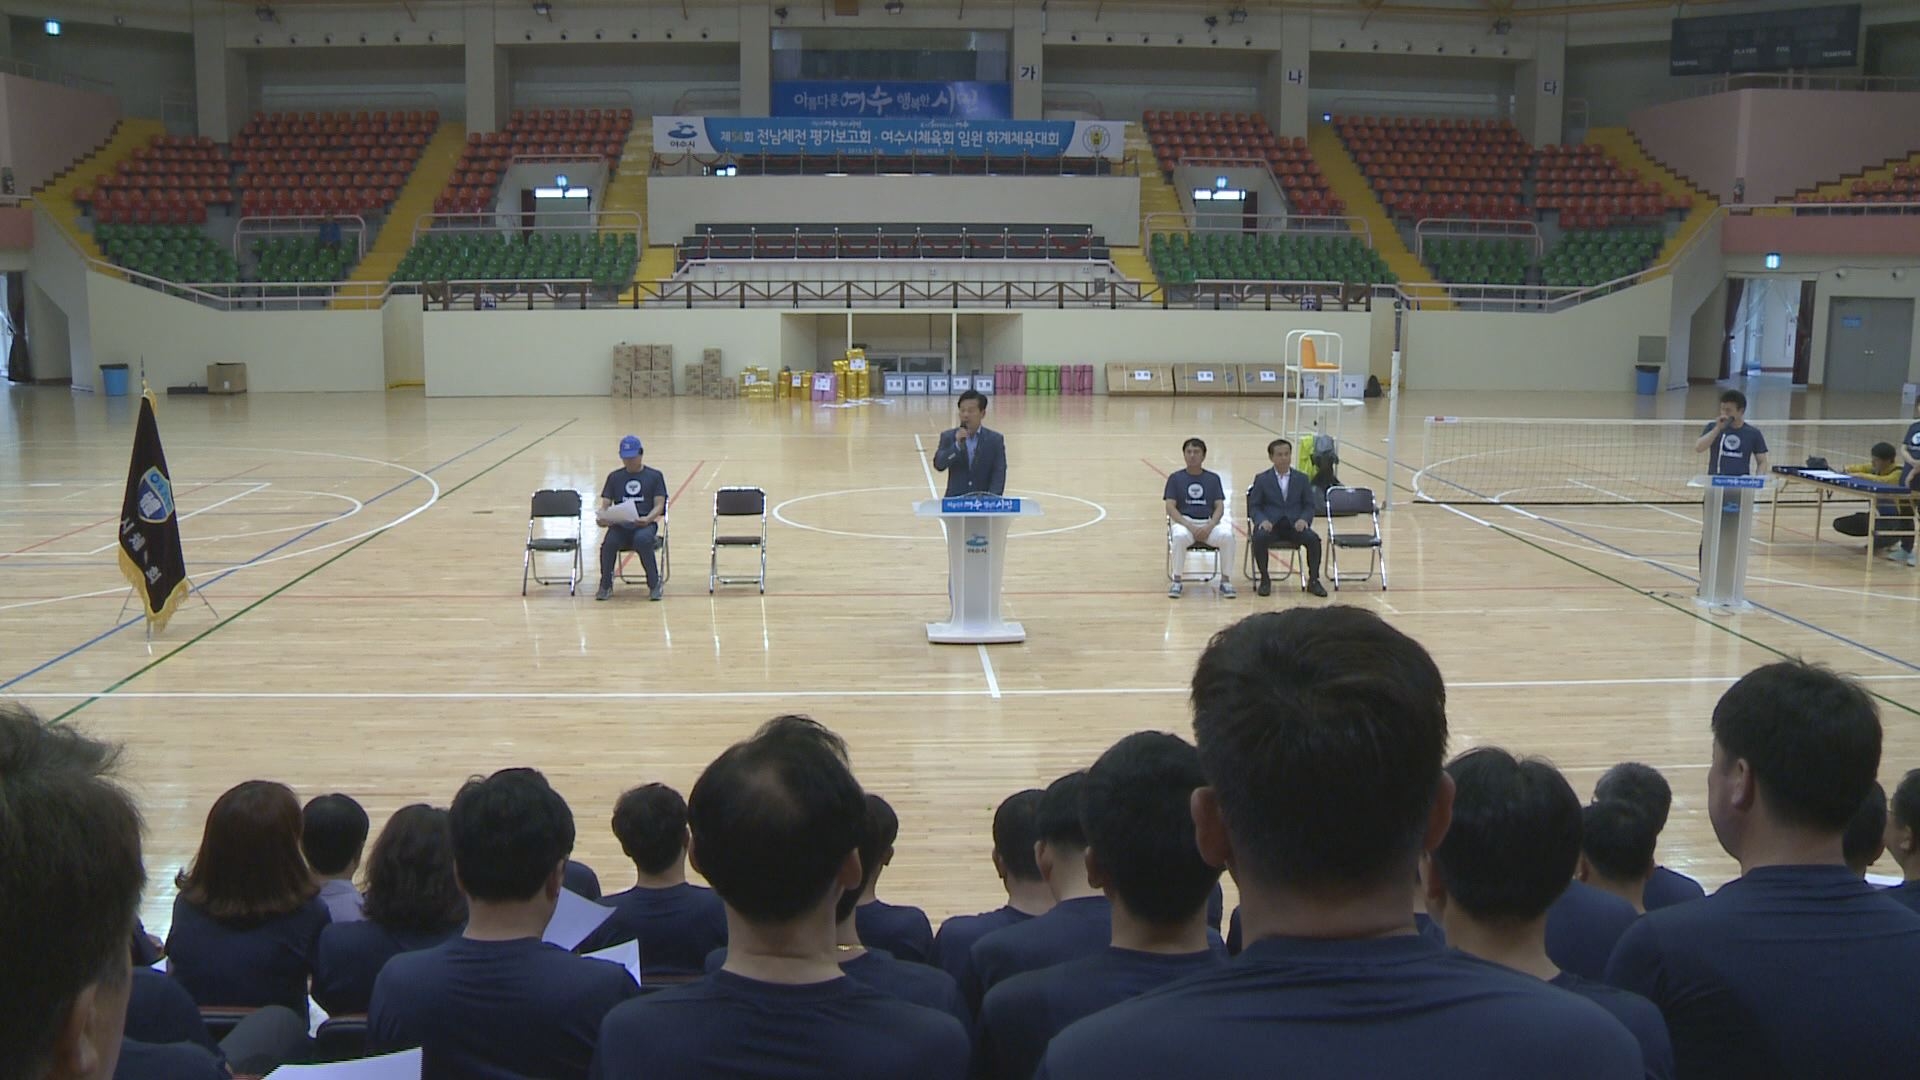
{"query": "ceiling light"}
(543, 9)
(1237, 16)
(52, 27)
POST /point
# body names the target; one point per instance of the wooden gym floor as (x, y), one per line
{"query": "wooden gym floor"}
(363, 555)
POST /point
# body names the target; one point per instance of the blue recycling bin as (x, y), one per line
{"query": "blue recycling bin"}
(113, 379)
(1646, 379)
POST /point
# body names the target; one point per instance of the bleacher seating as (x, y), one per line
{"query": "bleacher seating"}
(1441, 168)
(530, 132)
(1903, 187)
(1492, 261)
(300, 259)
(1592, 257)
(779, 241)
(1591, 190)
(608, 259)
(328, 163)
(1227, 138)
(1179, 259)
(170, 181)
(179, 253)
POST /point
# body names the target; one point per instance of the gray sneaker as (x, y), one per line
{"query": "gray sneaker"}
(1226, 589)
(656, 592)
(1174, 590)
(605, 593)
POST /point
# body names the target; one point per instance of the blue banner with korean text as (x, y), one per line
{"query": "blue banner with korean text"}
(894, 100)
(714, 135)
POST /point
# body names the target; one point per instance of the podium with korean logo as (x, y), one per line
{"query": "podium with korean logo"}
(1726, 526)
(976, 527)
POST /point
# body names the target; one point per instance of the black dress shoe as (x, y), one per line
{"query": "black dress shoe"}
(1265, 588)
(1316, 588)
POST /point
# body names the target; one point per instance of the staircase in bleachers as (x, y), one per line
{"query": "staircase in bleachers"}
(1350, 185)
(1894, 181)
(532, 133)
(1589, 189)
(1697, 207)
(58, 196)
(416, 199)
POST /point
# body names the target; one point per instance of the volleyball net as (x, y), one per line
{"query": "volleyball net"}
(1592, 462)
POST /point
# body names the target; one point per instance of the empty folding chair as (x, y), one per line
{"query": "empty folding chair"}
(736, 504)
(552, 505)
(1346, 507)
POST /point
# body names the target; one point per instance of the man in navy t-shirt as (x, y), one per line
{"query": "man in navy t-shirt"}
(1509, 852)
(643, 486)
(1583, 925)
(1141, 852)
(497, 1002)
(1903, 838)
(1196, 502)
(1733, 446)
(777, 822)
(1910, 447)
(1798, 967)
(1643, 787)
(1027, 895)
(1616, 852)
(676, 923)
(1321, 734)
(900, 929)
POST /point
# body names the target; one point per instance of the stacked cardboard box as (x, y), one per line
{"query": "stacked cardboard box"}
(1139, 379)
(644, 371)
(756, 384)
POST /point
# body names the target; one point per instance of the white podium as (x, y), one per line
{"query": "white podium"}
(1725, 527)
(976, 556)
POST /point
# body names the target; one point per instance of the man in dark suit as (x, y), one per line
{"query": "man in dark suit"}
(973, 457)
(1282, 504)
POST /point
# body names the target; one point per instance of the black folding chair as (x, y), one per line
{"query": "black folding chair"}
(1345, 506)
(551, 504)
(662, 553)
(736, 503)
(341, 1038)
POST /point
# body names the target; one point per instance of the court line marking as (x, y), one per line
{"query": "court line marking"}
(189, 514)
(111, 520)
(986, 665)
(1100, 514)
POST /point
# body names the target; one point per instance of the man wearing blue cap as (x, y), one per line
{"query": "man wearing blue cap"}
(646, 489)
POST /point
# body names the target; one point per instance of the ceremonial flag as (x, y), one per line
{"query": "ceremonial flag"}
(150, 553)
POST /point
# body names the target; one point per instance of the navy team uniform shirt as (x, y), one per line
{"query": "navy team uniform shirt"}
(1788, 971)
(1912, 438)
(167, 1061)
(1667, 888)
(953, 945)
(1308, 1009)
(676, 927)
(639, 487)
(1907, 893)
(729, 1026)
(261, 962)
(351, 956)
(1422, 922)
(917, 984)
(1023, 1013)
(1637, 1013)
(1194, 496)
(900, 929)
(1583, 926)
(495, 1010)
(1733, 454)
(1069, 930)
(160, 1011)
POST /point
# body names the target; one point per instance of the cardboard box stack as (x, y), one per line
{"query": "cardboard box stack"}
(756, 384)
(643, 371)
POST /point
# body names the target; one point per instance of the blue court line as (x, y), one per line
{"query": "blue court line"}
(217, 578)
(1647, 560)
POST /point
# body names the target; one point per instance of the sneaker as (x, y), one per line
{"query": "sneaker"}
(1226, 589)
(1907, 557)
(1174, 589)
(1894, 554)
(655, 592)
(605, 593)
(1316, 588)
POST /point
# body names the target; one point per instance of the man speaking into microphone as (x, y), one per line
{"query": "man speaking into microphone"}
(973, 457)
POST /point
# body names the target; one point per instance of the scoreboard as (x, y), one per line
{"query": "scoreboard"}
(1766, 41)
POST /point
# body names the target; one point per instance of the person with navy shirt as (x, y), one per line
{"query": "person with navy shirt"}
(333, 833)
(497, 1002)
(1583, 925)
(1013, 862)
(973, 456)
(1865, 838)
(643, 486)
(413, 902)
(1196, 502)
(1321, 734)
(900, 929)
(1510, 851)
(1643, 787)
(676, 923)
(1140, 851)
(1903, 838)
(1910, 448)
(1733, 446)
(776, 825)
(1616, 851)
(1797, 967)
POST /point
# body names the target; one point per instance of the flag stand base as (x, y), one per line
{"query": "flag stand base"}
(193, 588)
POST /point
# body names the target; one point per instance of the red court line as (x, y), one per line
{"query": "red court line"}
(116, 517)
(675, 497)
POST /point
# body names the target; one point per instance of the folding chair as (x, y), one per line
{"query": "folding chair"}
(551, 504)
(663, 557)
(738, 502)
(1291, 568)
(1182, 573)
(1344, 505)
(341, 1038)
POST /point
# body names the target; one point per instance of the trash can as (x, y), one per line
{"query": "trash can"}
(113, 379)
(1646, 379)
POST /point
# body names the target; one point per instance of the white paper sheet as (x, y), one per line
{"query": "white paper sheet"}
(573, 919)
(404, 1065)
(620, 513)
(1823, 474)
(627, 955)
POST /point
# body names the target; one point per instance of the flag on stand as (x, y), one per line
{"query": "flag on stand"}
(150, 552)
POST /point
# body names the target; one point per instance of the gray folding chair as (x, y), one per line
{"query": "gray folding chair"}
(552, 505)
(735, 505)
(1347, 506)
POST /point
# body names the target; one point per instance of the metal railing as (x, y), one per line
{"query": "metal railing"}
(486, 294)
(1721, 84)
(511, 221)
(873, 242)
(1312, 225)
(1910, 205)
(912, 164)
(1459, 228)
(255, 226)
(51, 74)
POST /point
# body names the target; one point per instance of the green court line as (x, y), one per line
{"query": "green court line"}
(343, 553)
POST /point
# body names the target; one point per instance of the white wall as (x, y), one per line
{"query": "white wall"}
(356, 77)
(1592, 346)
(60, 276)
(141, 66)
(45, 128)
(1617, 80)
(1127, 81)
(1396, 82)
(648, 77)
(1111, 204)
(570, 353)
(49, 341)
(1707, 336)
(1181, 337)
(403, 340)
(1699, 270)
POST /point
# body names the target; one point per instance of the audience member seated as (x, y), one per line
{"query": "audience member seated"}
(1196, 503)
(413, 902)
(1141, 852)
(1080, 923)
(1423, 924)
(248, 917)
(1583, 926)
(333, 833)
(902, 930)
(1896, 526)
(70, 883)
(1616, 851)
(1642, 786)
(1013, 842)
(676, 923)
(1903, 838)
(776, 823)
(1865, 839)
(161, 1014)
(1509, 852)
(168, 1061)
(578, 878)
(498, 1002)
(1797, 967)
(1295, 712)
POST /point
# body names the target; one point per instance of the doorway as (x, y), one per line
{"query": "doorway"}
(1769, 328)
(1869, 343)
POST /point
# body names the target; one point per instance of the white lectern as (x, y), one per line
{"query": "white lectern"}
(1726, 526)
(976, 554)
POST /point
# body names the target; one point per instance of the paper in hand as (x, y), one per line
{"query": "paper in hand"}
(574, 917)
(620, 513)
